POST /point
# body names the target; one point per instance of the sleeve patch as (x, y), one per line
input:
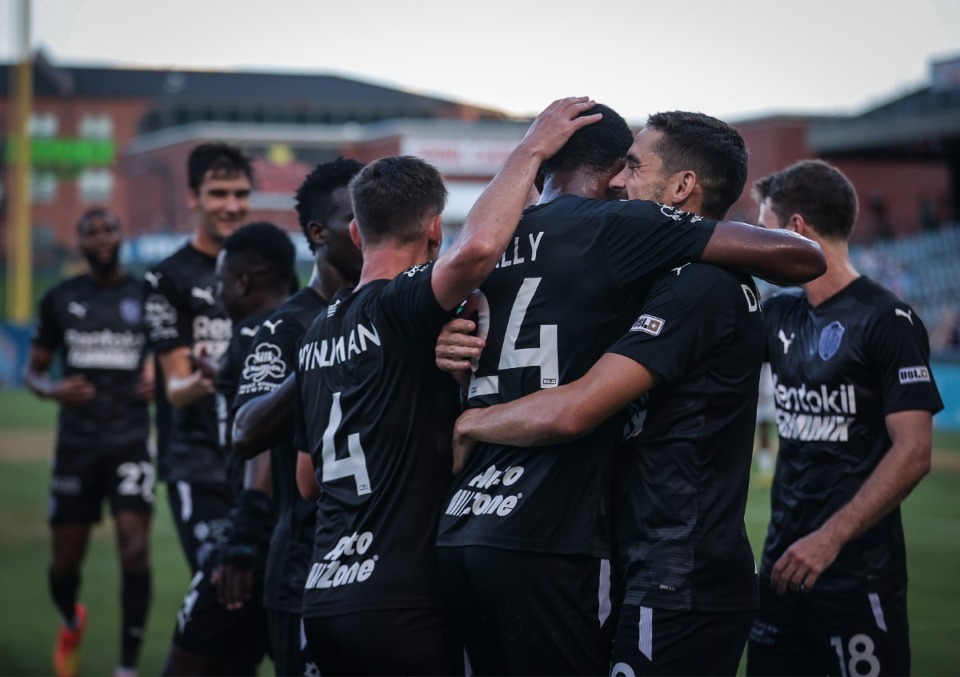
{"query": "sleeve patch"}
(914, 375)
(648, 324)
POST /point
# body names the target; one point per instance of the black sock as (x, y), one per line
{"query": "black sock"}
(63, 589)
(135, 601)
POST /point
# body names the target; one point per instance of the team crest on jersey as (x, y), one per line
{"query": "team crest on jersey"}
(413, 270)
(648, 324)
(830, 339)
(914, 375)
(130, 311)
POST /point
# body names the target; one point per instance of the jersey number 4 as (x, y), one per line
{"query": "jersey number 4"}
(543, 356)
(354, 464)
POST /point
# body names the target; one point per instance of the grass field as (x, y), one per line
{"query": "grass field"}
(28, 621)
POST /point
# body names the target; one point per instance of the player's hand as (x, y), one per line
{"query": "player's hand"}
(800, 566)
(462, 443)
(204, 363)
(458, 344)
(73, 391)
(234, 585)
(557, 123)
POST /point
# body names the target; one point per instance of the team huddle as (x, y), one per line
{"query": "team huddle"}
(526, 454)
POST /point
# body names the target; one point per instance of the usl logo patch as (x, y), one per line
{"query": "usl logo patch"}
(648, 324)
(914, 375)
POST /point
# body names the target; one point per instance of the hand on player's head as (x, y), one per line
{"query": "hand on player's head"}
(557, 123)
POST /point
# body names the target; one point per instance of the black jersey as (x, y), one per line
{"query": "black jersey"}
(377, 417)
(98, 333)
(232, 364)
(181, 309)
(273, 357)
(564, 290)
(680, 488)
(838, 370)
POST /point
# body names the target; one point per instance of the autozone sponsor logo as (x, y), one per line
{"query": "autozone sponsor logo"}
(811, 413)
(104, 349)
(477, 501)
(333, 572)
(914, 375)
(211, 335)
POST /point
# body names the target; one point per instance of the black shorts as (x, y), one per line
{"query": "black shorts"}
(201, 514)
(288, 645)
(670, 642)
(525, 613)
(388, 642)
(83, 478)
(819, 632)
(206, 627)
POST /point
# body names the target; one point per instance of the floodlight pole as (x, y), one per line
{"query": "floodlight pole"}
(19, 254)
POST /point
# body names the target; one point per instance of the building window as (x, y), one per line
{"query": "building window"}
(96, 185)
(43, 187)
(43, 125)
(98, 126)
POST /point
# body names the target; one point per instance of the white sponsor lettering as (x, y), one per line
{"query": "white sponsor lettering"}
(813, 413)
(211, 335)
(160, 317)
(332, 572)
(104, 349)
(465, 501)
(914, 375)
(328, 352)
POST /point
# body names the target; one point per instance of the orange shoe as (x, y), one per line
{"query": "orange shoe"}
(66, 653)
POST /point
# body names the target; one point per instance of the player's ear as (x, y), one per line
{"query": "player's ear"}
(355, 234)
(435, 233)
(243, 283)
(683, 185)
(318, 233)
(797, 224)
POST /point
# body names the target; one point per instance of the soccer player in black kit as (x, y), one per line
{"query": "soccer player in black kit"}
(263, 401)
(94, 324)
(568, 287)
(221, 627)
(376, 415)
(189, 330)
(855, 398)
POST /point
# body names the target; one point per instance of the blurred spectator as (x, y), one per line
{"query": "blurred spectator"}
(946, 335)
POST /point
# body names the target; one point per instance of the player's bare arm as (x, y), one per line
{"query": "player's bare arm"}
(458, 343)
(778, 256)
(71, 391)
(185, 384)
(557, 414)
(903, 466)
(263, 422)
(493, 218)
(306, 477)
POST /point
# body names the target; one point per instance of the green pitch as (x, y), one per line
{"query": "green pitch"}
(28, 622)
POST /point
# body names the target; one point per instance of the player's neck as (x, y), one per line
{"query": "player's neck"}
(574, 182)
(109, 278)
(327, 280)
(205, 244)
(385, 262)
(840, 273)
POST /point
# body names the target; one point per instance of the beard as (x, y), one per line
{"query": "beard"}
(103, 268)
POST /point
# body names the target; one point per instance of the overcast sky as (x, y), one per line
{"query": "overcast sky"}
(733, 59)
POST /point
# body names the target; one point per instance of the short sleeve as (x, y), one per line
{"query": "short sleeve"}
(677, 325)
(271, 359)
(166, 317)
(644, 240)
(48, 333)
(900, 351)
(409, 304)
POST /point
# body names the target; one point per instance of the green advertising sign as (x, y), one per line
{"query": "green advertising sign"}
(64, 153)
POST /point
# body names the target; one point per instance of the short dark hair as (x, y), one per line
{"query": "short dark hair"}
(820, 193)
(392, 197)
(761, 188)
(263, 249)
(219, 158)
(97, 213)
(596, 147)
(708, 146)
(314, 196)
